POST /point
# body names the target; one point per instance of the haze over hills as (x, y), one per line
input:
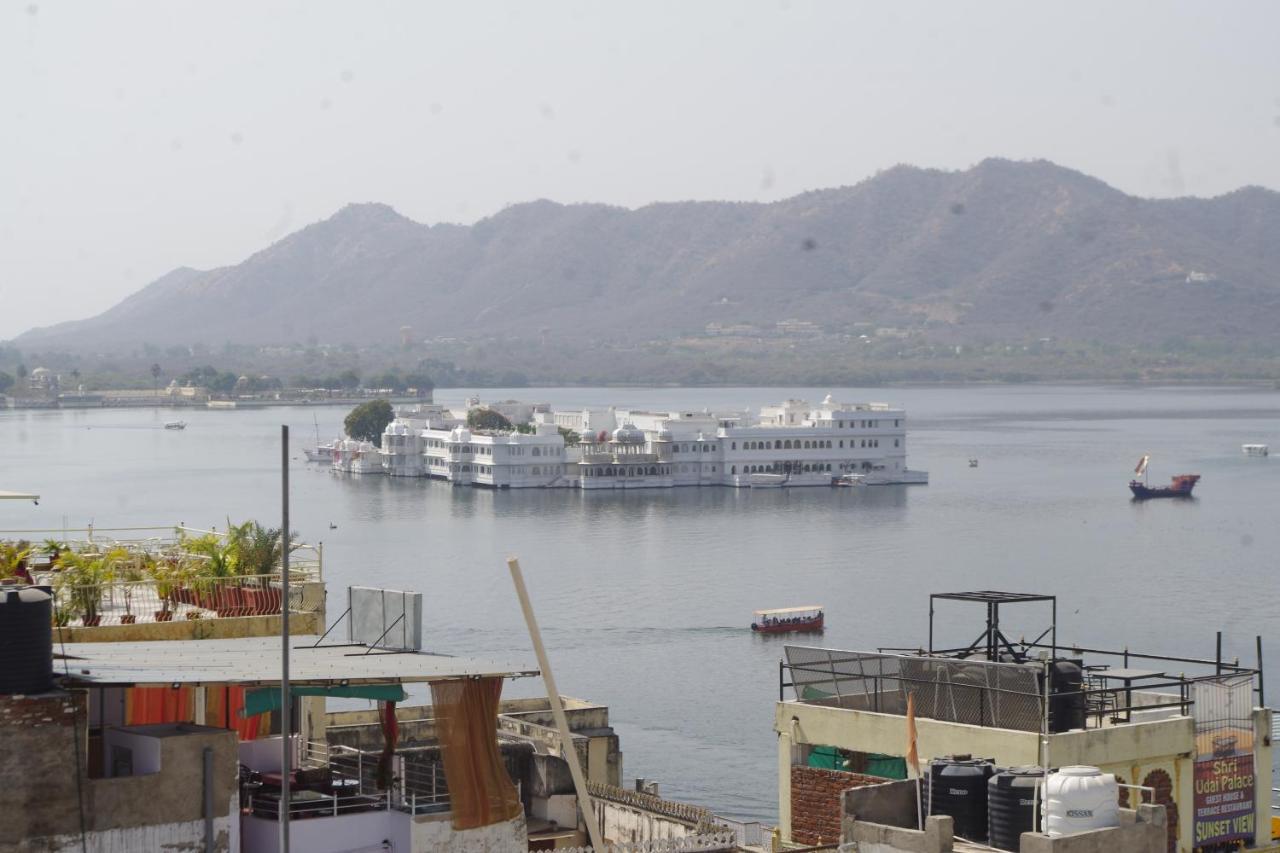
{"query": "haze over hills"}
(1004, 251)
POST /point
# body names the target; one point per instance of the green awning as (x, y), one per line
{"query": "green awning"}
(268, 698)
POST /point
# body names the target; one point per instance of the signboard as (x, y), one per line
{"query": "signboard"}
(1225, 783)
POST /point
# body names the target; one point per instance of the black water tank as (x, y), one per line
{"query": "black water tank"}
(1011, 805)
(1066, 697)
(958, 787)
(26, 635)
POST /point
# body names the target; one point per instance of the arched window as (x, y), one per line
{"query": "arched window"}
(653, 470)
(733, 446)
(734, 470)
(537, 452)
(537, 470)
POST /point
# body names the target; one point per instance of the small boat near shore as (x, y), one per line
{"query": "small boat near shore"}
(785, 620)
(1180, 485)
(321, 452)
(175, 425)
(1255, 450)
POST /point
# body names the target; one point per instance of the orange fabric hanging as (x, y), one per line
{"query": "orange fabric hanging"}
(466, 714)
(223, 709)
(148, 705)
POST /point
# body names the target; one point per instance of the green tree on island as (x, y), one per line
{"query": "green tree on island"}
(367, 421)
(488, 419)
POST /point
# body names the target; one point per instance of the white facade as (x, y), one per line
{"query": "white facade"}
(357, 457)
(404, 440)
(790, 444)
(498, 459)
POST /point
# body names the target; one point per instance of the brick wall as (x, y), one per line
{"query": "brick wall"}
(38, 749)
(815, 802)
(34, 712)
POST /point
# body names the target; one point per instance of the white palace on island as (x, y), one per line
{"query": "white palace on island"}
(790, 444)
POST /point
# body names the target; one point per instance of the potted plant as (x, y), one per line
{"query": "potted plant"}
(167, 575)
(13, 559)
(130, 572)
(259, 551)
(83, 576)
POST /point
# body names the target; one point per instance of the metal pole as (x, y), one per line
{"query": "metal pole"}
(1262, 693)
(570, 754)
(208, 799)
(1054, 617)
(286, 709)
(1217, 658)
(931, 625)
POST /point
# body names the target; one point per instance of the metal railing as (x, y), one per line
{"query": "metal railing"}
(305, 804)
(987, 693)
(418, 784)
(157, 541)
(1001, 695)
(144, 601)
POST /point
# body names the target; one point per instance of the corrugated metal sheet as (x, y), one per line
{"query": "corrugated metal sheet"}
(256, 661)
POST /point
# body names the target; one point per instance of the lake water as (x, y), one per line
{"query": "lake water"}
(645, 597)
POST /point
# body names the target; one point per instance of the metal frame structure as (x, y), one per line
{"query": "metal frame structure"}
(992, 641)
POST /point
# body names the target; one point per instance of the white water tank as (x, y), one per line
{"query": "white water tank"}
(1080, 799)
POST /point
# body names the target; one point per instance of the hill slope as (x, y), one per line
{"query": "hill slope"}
(1001, 251)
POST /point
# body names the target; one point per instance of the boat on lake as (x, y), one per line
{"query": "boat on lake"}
(1180, 485)
(175, 424)
(1255, 449)
(321, 452)
(785, 620)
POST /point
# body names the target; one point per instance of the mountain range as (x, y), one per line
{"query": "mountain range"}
(1002, 251)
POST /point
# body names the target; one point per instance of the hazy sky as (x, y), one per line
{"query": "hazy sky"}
(138, 137)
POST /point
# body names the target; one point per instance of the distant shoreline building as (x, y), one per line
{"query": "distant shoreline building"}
(789, 444)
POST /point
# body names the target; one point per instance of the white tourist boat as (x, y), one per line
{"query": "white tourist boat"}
(1255, 449)
(320, 453)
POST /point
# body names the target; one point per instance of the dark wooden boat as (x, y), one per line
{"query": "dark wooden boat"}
(1180, 485)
